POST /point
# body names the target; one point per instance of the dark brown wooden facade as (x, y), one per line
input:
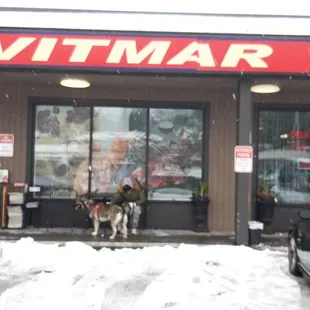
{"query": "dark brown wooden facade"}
(16, 89)
(220, 94)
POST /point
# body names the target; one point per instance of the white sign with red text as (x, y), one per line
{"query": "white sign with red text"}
(6, 145)
(4, 176)
(243, 159)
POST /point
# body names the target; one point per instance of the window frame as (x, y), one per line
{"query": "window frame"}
(34, 102)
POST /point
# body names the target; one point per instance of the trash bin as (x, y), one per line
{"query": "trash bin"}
(255, 232)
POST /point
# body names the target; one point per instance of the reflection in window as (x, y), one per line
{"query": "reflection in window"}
(61, 146)
(118, 146)
(175, 153)
(284, 154)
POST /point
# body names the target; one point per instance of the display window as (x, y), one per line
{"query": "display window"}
(284, 154)
(92, 148)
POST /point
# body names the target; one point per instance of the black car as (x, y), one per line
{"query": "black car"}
(299, 245)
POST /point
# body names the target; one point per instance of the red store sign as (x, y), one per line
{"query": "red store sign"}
(174, 53)
(299, 134)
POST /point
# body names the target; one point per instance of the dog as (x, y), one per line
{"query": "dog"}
(104, 212)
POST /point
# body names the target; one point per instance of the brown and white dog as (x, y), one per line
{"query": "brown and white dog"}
(104, 212)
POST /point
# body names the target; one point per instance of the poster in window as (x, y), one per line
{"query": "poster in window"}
(175, 153)
(119, 146)
(62, 136)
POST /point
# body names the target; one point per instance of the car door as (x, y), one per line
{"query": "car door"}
(303, 243)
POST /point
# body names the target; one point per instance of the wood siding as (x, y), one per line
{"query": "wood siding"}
(221, 162)
(13, 119)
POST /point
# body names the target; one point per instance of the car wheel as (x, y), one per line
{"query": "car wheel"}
(293, 258)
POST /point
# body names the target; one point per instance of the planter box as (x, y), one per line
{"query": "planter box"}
(200, 213)
(265, 210)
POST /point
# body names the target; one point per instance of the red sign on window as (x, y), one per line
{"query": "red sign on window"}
(299, 134)
(304, 164)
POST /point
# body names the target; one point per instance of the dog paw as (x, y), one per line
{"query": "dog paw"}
(94, 233)
(125, 237)
(111, 237)
(102, 235)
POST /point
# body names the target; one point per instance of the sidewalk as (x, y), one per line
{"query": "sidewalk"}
(155, 237)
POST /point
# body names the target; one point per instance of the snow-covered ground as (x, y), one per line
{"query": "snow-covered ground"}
(37, 276)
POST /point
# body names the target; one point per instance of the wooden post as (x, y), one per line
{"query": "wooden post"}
(243, 180)
(4, 201)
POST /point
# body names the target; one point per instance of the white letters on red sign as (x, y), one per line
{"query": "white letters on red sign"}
(44, 50)
(144, 52)
(196, 52)
(15, 48)
(83, 47)
(251, 53)
(155, 49)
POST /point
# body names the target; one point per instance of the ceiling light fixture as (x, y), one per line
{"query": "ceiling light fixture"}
(74, 83)
(265, 88)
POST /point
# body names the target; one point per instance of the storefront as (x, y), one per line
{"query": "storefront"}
(168, 109)
(152, 126)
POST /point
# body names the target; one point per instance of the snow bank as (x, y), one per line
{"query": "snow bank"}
(38, 276)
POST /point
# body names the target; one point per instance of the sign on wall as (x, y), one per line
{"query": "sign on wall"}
(6, 145)
(4, 176)
(154, 53)
(243, 159)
